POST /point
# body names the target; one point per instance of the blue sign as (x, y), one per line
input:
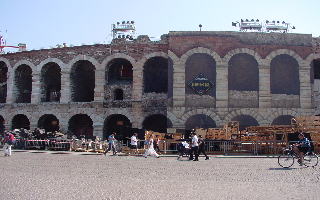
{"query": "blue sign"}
(200, 84)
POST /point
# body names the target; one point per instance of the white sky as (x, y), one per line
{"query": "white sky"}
(45, 23)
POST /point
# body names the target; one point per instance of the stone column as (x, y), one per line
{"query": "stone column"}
(10, 87)
(305, 86)
(99, 85)
(222, 96)
(98, 129)
(35, 93)
(137, 82)
(137, 111)
(264, 87)
(179, 93)
(65, 86)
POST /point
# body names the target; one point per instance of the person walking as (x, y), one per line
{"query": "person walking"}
(150, 150)
(134, 143)
(111, 144)
(202, 147)
(8, 141)
(195, 147)
(157, 144)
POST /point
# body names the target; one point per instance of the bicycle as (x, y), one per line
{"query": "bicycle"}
(286, 160)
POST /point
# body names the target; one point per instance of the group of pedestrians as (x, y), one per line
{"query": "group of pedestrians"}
(197, 147)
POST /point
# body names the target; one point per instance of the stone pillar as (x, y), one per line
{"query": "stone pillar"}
(10, 87)
(222, 96)
(98, 129)
(305, 86)
(35, 93)
(65, 86)
(137, 82)
(137, 111)
(33, 125)
(179, 92)
(264, 87)
(99, 85)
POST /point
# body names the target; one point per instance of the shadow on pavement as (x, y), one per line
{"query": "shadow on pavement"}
(281, 168)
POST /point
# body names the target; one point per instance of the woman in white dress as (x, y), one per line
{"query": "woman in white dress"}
(150, 150)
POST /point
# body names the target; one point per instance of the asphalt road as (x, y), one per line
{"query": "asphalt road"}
(28, 175)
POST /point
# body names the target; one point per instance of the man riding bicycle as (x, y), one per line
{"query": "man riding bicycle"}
(302, 147)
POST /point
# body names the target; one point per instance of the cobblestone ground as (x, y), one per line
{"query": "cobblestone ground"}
(28, 175)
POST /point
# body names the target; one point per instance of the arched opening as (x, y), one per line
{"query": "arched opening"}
(81, 125)
(197, 64)
(50, 83)
(284, 82)
(3, 82)
(2, 127)
(315, 81)
(200, 121)
(118, 94)
(170, 78)
(282, 120)
(49, 123)
(157, 123)
(82, 81)
(20, 121)
(23, 84)
(245, 121)
(119, 70)
(119, 124)
(155, 75)
(243, 81)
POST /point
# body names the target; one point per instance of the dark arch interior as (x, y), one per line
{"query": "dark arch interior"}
(284, 74)
(82, 81)
(2, 127)
(3, 82)
(49, 122)
(20, 121)
(119, 69)
(243, 73)
(315, 70)
(201, 63)
(119, 124)
(245, 121)
(155, 75)
(157, 123)
(51, 82)
(81, 125)
(23, 82)
(200, 121)
(282, 120)
(170, 78)
(118, 94)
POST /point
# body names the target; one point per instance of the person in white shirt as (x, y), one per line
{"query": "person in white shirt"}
(150, 151)
(134, 142)
(195, 147)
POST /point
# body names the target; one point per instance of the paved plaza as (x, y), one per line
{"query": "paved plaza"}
(34, 175)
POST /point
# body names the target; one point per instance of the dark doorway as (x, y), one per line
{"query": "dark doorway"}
(200, 121)
(3, 82)
(23, 82)
(157, 123)
(20, 121)
(245, 121)
(82, 81)
(118, 94)
(119, 124)
(49, 123)
(81, 125)
(282, 120)
(155, 75)
(50, 83)
(315, 70)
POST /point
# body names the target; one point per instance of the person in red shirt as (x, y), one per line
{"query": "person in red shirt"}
(9, 140)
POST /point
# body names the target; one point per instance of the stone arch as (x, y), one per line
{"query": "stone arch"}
(312, 60)
(105, 62)
(51, 60)
(244, 111)
(82, 79)
(20, 121)
(81, 125)
(155, 75)
(49, 123)
(4, 71)
(274, 113)
(118, 123)
(24, 62)
(282, 120)
(93, 61)
(291, 53)
(157, 123)
(200, 121)
(202, 50)
(119, 70)
(251, 52)
(50, 82)
(22, 83)
(146, 57)
(245, 121)
(199, 111)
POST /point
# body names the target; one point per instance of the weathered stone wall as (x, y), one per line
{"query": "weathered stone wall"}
(243, 99)
(204, 101)
(285, 101)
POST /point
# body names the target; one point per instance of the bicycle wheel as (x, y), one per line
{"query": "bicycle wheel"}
(310, 160)
(286, 160)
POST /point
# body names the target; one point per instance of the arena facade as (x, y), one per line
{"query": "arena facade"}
(255, 78)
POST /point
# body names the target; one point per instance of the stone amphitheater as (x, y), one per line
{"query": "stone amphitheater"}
(125, 86)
